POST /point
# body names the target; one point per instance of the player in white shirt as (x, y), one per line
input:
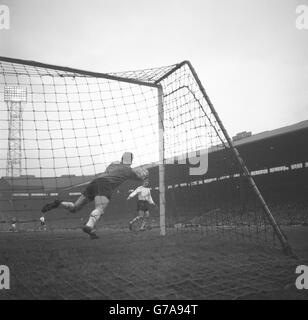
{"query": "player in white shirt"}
(144, 199)
(43, 223)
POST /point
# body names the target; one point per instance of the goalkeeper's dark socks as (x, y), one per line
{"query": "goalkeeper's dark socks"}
(52, 205)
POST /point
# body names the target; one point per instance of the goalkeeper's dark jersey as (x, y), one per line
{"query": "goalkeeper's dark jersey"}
(107, 182)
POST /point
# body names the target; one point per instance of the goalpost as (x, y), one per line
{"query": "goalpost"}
(76, 122)
(161, 178)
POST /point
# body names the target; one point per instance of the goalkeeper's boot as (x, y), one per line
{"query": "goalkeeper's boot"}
(52, 205)
(90, 231)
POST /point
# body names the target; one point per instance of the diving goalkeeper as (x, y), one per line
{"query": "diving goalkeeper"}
(100, 190)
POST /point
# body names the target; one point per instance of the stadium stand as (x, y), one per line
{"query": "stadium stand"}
(278, 160)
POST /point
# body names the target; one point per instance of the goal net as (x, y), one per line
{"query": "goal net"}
(60, 127)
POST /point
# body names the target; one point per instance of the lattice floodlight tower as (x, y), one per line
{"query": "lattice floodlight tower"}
(77, 122)
(15, 97)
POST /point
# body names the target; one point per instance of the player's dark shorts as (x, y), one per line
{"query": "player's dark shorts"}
(142, 205)
(43, 223)
(98, 187)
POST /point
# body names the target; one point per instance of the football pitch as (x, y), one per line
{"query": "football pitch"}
(145, 265)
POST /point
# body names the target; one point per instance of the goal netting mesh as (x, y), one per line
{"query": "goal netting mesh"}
(60, 127)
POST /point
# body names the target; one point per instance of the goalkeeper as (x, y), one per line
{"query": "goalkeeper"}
(101, 189)
(144, 199)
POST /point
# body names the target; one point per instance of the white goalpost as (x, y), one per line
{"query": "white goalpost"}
(162, 199)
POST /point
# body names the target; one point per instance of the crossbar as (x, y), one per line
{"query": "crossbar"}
(78, 71)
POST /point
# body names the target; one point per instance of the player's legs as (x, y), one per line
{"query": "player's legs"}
(74, 207)
(145, 220)
(43, 225)
(137, 218)
(101, 203)
(70, 206)
(140, 217)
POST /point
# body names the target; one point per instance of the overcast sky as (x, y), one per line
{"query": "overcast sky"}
(250, 56)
